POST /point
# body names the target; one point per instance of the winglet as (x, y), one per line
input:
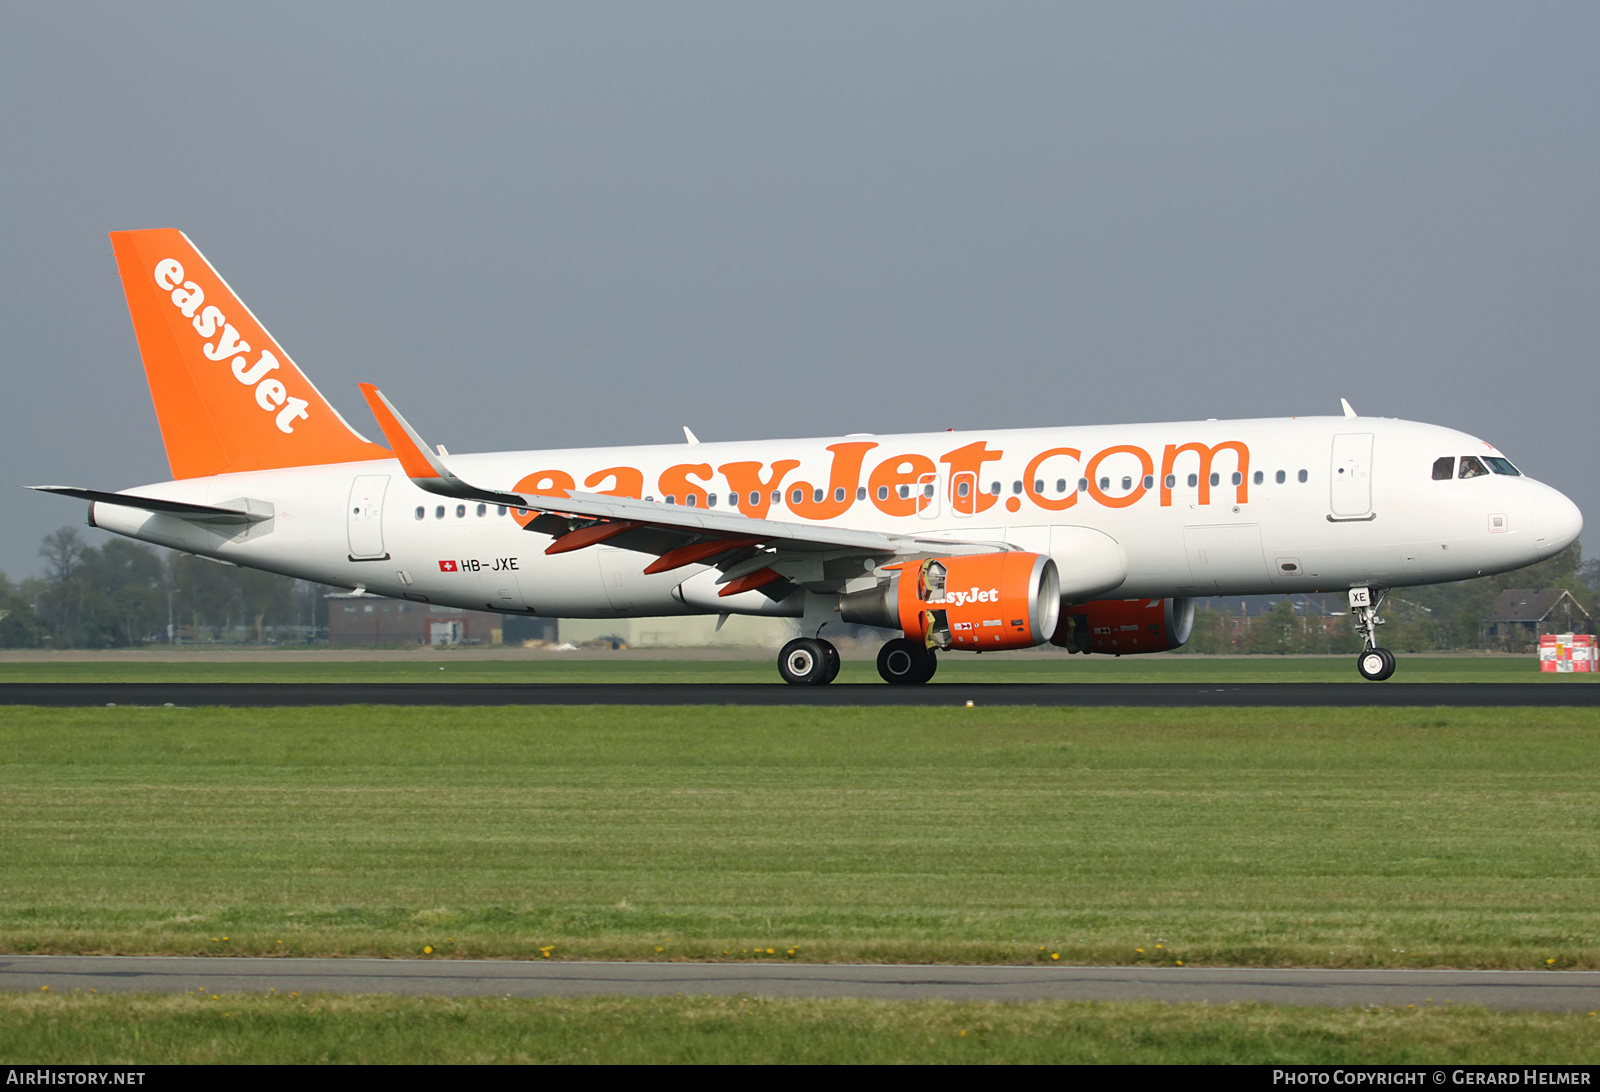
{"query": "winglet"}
(414, 456)
(421, 465)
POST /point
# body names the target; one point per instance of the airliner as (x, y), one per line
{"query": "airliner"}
(1096, 539)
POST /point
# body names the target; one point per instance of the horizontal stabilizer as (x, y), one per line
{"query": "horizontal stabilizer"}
(199, 513)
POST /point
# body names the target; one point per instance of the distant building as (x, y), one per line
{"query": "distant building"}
(375, 620)
(1534, 612)
(684, 631)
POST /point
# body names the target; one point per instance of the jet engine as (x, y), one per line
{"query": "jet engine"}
(976, 602)
(1125, 626)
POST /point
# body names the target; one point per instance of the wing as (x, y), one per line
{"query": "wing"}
(772, 555)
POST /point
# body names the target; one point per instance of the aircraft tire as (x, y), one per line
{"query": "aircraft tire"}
(832, 653)
(905, 663)
(1375, 664)
(804, 662)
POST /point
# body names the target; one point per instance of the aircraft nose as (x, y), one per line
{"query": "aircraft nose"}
(1556, 522)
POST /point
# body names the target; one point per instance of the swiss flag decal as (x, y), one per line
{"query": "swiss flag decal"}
(448, 567)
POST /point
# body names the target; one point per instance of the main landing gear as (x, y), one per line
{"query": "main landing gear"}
(906, 663)
(808, 661)
(811, 661)
(1375, 664)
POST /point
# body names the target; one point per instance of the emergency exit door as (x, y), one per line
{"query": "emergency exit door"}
(364, 514)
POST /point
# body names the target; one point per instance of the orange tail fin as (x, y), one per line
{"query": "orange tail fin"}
(227, 396)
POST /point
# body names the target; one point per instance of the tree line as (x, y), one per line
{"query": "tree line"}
(1433, 617)
(125, 594)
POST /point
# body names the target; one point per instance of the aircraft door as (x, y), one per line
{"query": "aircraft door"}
(365, 517)
(618, 570)
(1227, 558)
(963, 494)
(928, 496)
(1350, 486)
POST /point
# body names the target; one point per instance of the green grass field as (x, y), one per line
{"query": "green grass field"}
(40, 1029)
(429, 666)
(1276, 837)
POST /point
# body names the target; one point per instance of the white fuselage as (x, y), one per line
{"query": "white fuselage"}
(1320, 504)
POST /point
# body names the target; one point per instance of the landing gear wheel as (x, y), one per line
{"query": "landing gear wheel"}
(831, 670)
(906, 663)
(1375, 664)
(805, 662)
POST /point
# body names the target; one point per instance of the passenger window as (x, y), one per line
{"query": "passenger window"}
(483, 510)
(1215, 478)
(861, 492)
(1303, 475)
(816, 496)
(1258, 477)
(994, 487)
(1083, 485)
(1444, 469)
(777, 496)
(1172, 480)
(690, 501)
(438, 513)
(1127, 483)
(797, 496)
(1279, 477)
(1471, 467)
(905, 492)
(461, 511)
(838, 495)
(962, 489)
(1016, 488)
(421, 511)
(755, 499)
(1149, 481)
(927, 490)
(733, 500)
(1502, 466)
(711, 500)
(883, 492)
(1038, 485)
(1061, 485)
(501, 510)
(1238, 478)
(1194, 480)
(1105, 483)
(672, 498)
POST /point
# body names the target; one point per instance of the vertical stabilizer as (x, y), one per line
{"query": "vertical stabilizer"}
(227, 396)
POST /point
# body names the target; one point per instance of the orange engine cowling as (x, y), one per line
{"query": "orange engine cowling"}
(1124, 626)
(979, 602)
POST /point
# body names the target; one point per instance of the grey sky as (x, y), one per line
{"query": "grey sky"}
(590, 224)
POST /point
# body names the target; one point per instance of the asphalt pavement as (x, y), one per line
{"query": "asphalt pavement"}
(1555, 991)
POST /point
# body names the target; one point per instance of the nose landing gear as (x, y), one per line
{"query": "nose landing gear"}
(1375, 664)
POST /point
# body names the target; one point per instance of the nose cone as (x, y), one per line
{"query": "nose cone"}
(1556, 522)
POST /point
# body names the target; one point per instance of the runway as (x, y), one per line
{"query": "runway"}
(1146, 695)
(1553, 991)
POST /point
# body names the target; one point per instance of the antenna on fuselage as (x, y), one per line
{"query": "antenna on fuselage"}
(1348, 410)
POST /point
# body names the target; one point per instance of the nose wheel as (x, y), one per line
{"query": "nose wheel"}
(1375, 664)
(906, 663)
(808, 661)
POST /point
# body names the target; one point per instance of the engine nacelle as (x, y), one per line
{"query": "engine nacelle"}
(1125, 626)
(976, 602)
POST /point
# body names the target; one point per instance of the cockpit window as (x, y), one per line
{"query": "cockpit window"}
(1502, 466)
(1472, 467)
(1444, 469)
